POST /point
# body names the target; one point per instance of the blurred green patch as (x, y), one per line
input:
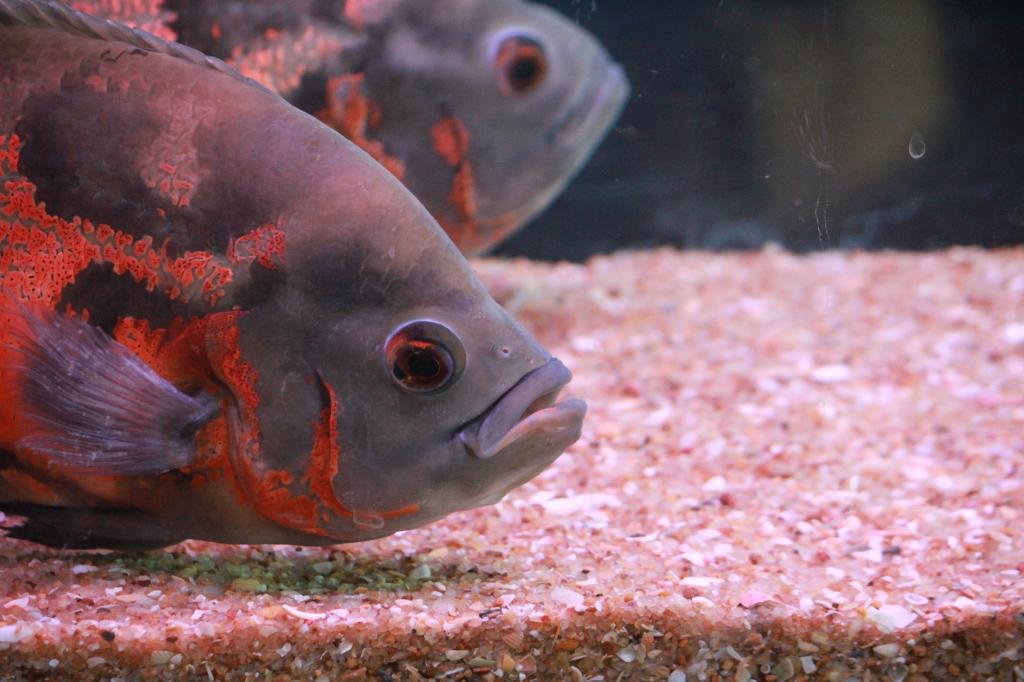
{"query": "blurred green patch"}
(268, 572)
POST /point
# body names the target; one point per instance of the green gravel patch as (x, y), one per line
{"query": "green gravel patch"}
(267, 572)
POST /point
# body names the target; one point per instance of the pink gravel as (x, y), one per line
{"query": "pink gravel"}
(794, 468)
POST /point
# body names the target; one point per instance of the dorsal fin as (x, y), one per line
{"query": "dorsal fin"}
(51, 14)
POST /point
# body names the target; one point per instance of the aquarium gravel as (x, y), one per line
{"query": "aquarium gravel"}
(793, 468)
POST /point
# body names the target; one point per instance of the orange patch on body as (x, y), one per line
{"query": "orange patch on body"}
(96, 82)
(177, 353)
(278, 503)
(148, 15)
(45, 253)
(30, 489)
(352, 114)
(358, 11)
(136, 336)
(452, 142)
(280, 60)
(234, 440)
(177, 190)
(463, 196)
(12, 327)
(264, 245)
(135, 491)
(324, 459)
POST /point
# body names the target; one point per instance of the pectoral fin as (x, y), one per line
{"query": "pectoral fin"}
(90, 405)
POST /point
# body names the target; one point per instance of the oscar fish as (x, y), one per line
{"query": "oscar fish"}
(485, 109)
(221, 320)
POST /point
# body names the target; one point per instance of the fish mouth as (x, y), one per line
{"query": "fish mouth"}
(529, 410)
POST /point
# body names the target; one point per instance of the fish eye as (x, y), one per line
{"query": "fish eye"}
(424, 356)
(521, 64)
(421, 365)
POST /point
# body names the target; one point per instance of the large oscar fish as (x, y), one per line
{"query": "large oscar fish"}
(221, 320)
(485, 109)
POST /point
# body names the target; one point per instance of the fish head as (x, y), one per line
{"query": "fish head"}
(392, 389)
(492, 106)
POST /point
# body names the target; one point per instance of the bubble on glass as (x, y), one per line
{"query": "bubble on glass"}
(916, 146)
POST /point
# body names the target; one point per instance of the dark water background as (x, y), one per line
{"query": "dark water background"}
(870, 124)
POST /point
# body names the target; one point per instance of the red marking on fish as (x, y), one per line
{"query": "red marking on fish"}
(452, 141)
(324, 459)
(235, 438)
(353, 115)
(275, 501)
(96, 82)
(30, 488)
(148, 344)
(280, 64)
(356, 12)
(148, 15)
(264, 245)
(45, 253)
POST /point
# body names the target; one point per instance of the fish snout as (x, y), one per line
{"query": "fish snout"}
(594, 110)
(528, 409)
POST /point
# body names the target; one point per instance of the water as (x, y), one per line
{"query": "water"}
(722, 142)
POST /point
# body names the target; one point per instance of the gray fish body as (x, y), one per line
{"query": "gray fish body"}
(292, 349)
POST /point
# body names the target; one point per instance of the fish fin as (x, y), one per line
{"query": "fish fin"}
(86, 527)
(90, 405)
(53, 15)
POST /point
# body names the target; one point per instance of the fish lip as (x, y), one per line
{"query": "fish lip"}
(593, 111)
(529, 406)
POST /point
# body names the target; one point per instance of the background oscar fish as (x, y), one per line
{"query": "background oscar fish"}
(221, 320)
(485, 109)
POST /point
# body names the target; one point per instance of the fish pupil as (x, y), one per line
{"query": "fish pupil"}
(424, 365)
(525, 71)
